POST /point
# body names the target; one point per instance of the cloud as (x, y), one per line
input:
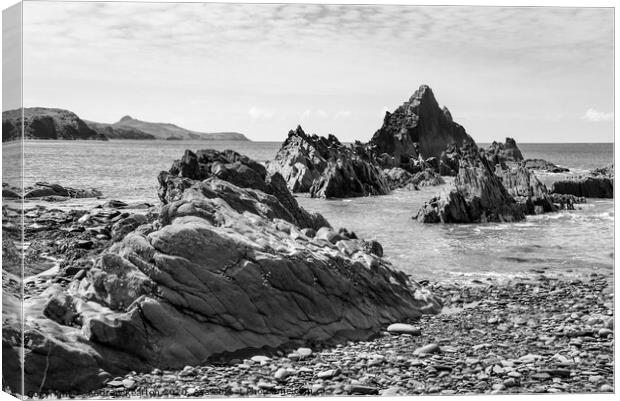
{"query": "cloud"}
(596, 116)
(344, 114)
(260, 114)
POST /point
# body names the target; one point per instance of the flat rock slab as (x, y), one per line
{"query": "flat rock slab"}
(403, 328)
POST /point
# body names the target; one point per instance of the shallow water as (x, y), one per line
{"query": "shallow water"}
(575, 243)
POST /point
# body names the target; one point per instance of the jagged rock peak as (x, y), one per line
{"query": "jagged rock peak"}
(419, 127)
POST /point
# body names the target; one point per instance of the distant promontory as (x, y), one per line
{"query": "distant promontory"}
(49, 123)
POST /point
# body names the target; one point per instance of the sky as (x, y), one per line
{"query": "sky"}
(535, 74)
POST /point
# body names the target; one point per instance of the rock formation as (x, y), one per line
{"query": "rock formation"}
(226, 269)
(400, 178)
(418, 127)
(531, 194)
(44, 123)
(587, 187)
(477, 196)
(540, 164)
(326, 168)
(302, 159)
(500, 153)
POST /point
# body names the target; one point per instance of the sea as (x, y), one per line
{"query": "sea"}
(568, 243)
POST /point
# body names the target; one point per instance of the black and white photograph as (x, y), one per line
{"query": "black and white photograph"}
(235, 200)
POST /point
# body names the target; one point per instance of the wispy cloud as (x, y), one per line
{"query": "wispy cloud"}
(260, 114)
(596, 116)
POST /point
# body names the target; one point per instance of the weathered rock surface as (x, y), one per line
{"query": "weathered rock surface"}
(302, 159)
(418, 127)
(500, 153)
(540, 164)
(531, 194)
(218, 274)
(478, 195)
(401, 178)
(348, 175)
(326, 168)
(45, 123)
(599, 183)
(267, 188)
(57, 192)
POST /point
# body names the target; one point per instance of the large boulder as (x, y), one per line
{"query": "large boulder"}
(57, 191)
(221, 275)
(500, 153)
(598, 183)
(418, 127)
(477, 195)
(45, 123)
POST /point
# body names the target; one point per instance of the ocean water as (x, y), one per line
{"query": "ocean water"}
(572, 243)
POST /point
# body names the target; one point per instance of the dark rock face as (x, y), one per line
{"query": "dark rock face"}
(219, 273)
(326, 168)
(540, 164)
(500, 153)
(566, 202)
(587, 187)
(418, 127)
(526, 189)
(599, 183)
(478, 196)
(44, 123)
(349, 176)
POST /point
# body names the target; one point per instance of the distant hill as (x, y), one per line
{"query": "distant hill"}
(48, 123)
(131, 128)
(45, 123)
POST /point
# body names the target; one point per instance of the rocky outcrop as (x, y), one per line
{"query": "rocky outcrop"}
(302, 159)
(587, 187)
(531, 194)
(418, 127)
(347, 175)
(477, 196)
(400, 178)
(599, 183)
(58, 192)
(326, 168)
(241, 171)
(500, 153)
(543, 165)
(220, 273)
(44, 123)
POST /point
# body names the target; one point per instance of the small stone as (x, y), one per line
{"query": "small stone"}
(281, 374)
(360, 389)
(510, 382)
(304, 352)
(328, 374)
(262, 359)
(606, 388)
(595, 379)
(541, 376)
(427, 349)
(604, 332)
(263, 385)
(402, 328)
(115, 383)
(529, 358)
(129, 384)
